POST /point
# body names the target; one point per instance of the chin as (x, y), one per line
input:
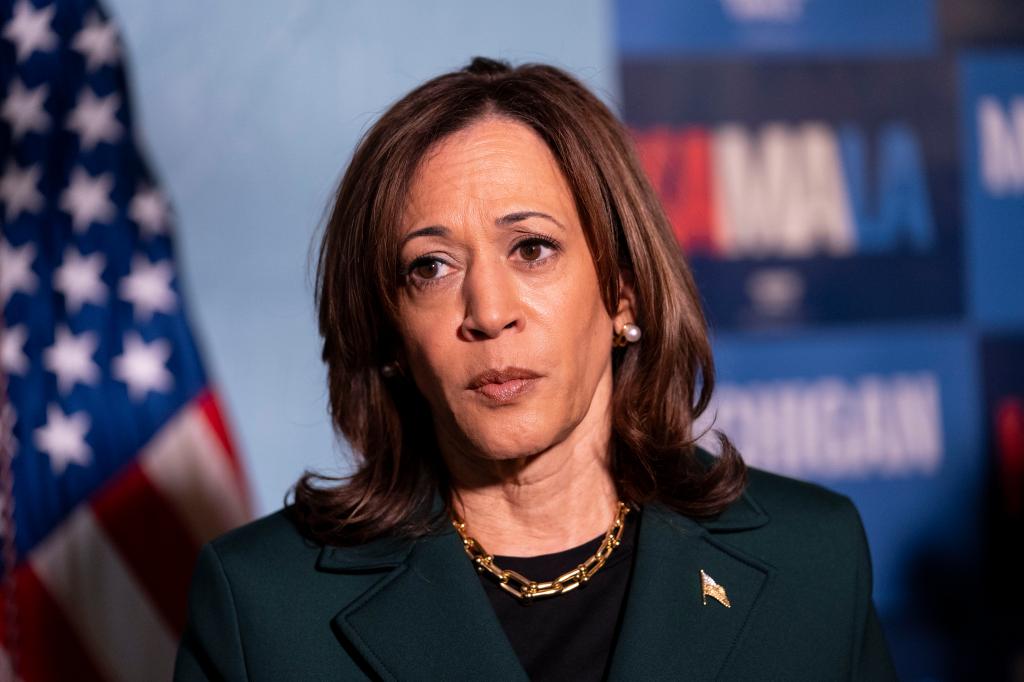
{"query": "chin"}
(513, 437)
(506, 451)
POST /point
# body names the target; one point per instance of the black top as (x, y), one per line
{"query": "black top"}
(567, 636)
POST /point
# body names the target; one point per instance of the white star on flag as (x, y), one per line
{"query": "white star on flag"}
(29, 29)
(70, 358)
(23, 108)
(142, 366)
(87, 199)
(95, 118)
(79, 279)
(148, 287)
(19, 188)
(12, 350)
(149, 209)
(63, 438)
(97, 41)
(16, 270)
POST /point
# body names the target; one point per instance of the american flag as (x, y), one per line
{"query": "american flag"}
(115, 463)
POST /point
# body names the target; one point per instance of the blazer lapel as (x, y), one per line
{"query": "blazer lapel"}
(428, 618)
(668, 632)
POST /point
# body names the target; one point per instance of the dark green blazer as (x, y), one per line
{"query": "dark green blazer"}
(267, 604)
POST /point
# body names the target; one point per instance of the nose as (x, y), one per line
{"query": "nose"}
(492, 302)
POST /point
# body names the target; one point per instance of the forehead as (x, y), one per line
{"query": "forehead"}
(493, 164)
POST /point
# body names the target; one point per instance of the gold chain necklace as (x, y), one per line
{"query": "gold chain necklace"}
(526, 589)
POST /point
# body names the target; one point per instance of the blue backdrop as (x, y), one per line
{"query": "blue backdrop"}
(847, 179)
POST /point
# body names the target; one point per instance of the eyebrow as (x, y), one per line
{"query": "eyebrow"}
(523, 215)
(507, 219)
(432, 231)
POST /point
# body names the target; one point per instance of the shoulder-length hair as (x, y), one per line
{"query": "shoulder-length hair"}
(661, 384)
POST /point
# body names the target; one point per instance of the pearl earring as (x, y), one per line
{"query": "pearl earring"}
(391, 369)
(630, 333)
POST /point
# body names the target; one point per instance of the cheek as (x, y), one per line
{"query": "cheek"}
(579, 329)
(432, 358)
(593, 345)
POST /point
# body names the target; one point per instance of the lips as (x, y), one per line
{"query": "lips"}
(504, 385)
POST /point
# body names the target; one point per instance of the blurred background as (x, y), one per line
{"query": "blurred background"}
(846, 178)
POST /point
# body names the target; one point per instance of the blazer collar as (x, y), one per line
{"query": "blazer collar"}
(429, 617)
(379, 555)
(743, 514)
(668, 631)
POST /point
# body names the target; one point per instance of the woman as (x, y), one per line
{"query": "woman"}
(516, 352)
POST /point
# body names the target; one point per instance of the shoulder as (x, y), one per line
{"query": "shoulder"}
(782, 505)
(799, 505)
(272, 543)
(792, 504)
(261, 599)
(809, 544)
(276, 542)
(269, 574)
(267, 552)
(789, 522)
(274, 532)
(273, 551)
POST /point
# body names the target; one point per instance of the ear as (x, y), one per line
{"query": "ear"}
(625, 310)
(392, 341)
(401, 356)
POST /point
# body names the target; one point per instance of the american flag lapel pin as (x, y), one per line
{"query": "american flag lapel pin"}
(709, 588)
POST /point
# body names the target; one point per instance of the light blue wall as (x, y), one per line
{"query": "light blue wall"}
(250, 111)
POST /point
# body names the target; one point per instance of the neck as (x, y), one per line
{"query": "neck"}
(543, 503)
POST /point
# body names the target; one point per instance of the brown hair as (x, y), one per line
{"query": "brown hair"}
(661, 384)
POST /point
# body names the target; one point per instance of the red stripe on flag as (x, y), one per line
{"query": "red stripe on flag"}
(47, 647)
(209, 406)
(151, 539)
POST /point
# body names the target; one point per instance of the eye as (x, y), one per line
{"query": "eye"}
(531, 251)
(426, 270)
(536, 249)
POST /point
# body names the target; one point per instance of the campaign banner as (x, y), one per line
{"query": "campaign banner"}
(847, 183)
(837, 27)
(992, 136)
(888, 417)
(807, 192)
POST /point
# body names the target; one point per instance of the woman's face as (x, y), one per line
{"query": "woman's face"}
(501, 317)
